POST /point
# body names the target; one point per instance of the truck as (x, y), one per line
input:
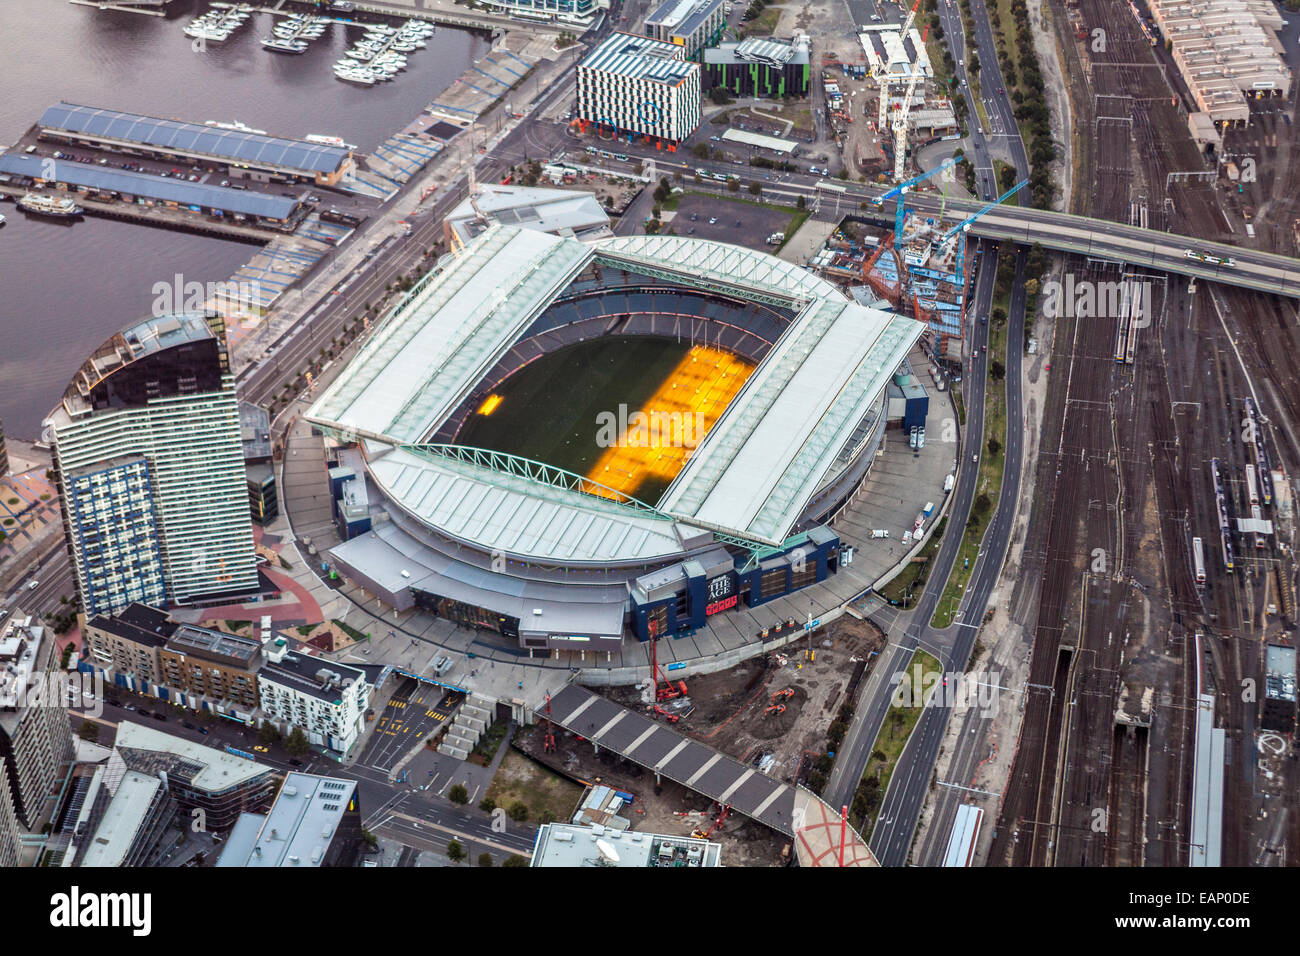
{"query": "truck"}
(928, 510)
(880, 533)
(948, 483)
(776, 238)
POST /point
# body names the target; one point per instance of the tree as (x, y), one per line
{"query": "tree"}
(297, 744)
(518, 811)
(267, 733)
(455, 851)
(801, 203)
(995, 446)
(546, 816)
(370, 839)
(89, 731)
(755, 188)
(487, 804)
(514, 859)
(485, 859)
(733, 185)
(458, 794)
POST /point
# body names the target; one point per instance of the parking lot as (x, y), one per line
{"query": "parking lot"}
(726, 220)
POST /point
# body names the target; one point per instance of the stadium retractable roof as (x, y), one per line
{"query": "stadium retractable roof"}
(762, 461)
(751, 477)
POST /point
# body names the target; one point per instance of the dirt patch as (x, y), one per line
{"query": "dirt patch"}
(520, 779)
(769, 713)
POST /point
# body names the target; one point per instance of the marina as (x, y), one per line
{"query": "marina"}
(219, 23)
(380, 54)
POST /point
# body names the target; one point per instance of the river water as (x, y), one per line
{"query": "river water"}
(65, 288)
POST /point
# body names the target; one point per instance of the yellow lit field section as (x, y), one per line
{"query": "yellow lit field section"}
(644, 449)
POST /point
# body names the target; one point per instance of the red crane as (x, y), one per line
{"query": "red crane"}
(548, 742)
(669, 690)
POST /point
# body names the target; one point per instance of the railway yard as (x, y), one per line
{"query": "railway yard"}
(1142, 417)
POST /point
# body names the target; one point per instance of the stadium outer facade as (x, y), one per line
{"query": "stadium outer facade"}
(552, 559)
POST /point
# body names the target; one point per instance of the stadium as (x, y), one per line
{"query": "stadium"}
(568, 443)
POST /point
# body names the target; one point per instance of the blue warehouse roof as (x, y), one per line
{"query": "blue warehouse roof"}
(250, 148)
(243, 201)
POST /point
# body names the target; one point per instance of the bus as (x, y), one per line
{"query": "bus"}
(1252, 487)
(1198, 557)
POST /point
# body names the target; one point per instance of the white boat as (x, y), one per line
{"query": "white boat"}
(235, 125)
(355, 76)
(327, 140)
(43, 205)
(284, 46)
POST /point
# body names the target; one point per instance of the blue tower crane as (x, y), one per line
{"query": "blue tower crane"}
(900, 190)
(964, 226)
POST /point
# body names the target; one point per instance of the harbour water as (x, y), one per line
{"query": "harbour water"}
(64, 288)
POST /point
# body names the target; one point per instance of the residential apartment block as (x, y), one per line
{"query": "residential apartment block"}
(328, 700)
(149, 466)
(635, 85)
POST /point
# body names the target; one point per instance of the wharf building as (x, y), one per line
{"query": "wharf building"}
(148, 463)
(241, 153)
(638, 87)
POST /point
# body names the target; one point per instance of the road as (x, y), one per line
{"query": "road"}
(907, 632)
(909, 785)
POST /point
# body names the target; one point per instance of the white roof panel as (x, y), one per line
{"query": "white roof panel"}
(760, 464)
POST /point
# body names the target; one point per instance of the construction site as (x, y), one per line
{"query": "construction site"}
(920, 267)
(769, 713)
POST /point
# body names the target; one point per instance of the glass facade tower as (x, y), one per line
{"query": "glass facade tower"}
(150, 468)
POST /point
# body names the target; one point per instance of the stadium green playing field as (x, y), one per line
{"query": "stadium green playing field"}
(549, 407)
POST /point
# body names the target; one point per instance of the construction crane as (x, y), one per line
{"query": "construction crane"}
(548, 740)
(884, 77)
(717, 822)
(668, 689)
(963, 227)
(900, 191)
(900, 123)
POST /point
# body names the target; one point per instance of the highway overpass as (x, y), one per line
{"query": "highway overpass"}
(1102, 239)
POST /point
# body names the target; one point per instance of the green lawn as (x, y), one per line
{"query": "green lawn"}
(762, 25)
(521, 779)
(890, 742)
